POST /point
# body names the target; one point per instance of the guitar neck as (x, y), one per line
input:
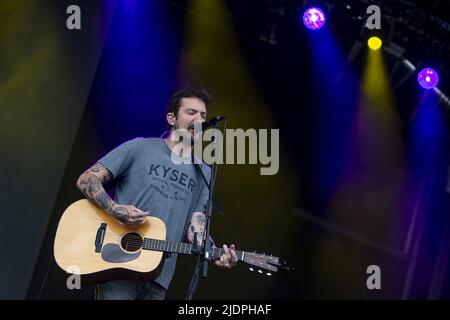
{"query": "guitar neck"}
(182, 248)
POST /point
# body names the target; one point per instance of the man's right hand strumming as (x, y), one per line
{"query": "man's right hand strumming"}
(91, 183)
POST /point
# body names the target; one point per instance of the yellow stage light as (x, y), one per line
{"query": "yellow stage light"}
(374, 43)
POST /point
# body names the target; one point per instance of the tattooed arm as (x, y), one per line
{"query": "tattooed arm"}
(197, 224)
(90, 183)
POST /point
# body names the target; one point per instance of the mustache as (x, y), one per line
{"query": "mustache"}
(191, 126)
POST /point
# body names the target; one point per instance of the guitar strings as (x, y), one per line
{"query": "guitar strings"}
(139, 240)
(139, 243)
(134, 240)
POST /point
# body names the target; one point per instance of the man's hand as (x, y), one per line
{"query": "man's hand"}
(228, 259)
(128, 214)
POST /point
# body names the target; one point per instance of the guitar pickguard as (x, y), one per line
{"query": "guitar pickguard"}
(112, 253)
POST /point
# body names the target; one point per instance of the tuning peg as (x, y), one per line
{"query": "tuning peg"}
(260, 271)
(269, 274)
(251, 269)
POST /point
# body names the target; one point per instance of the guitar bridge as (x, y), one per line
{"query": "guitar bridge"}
(100, 237)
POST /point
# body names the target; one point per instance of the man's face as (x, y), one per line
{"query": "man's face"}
(192, 110)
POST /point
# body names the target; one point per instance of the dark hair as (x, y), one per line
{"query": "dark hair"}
(188, 92)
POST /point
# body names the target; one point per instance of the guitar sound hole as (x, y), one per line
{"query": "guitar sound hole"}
(131, 242)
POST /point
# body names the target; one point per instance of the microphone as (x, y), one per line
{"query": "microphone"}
(212, 122)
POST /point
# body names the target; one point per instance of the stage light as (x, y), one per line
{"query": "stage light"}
(374, 43)
(314, 18)
(428, 78)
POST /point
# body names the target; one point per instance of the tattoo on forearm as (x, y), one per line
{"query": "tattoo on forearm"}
(197, 224)
(98, 168)
(200, 234)
(200, 237)
(121, 214)
(100, 199)
(91, 185)
(106, 177)
(200, 219)
(103, 199)
(92, 189)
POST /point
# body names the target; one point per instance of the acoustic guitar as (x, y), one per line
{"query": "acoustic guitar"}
(93, 244)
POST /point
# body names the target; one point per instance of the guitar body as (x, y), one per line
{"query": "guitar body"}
(91, 243)
(98, 247)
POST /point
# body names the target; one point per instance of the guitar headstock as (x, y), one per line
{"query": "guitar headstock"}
(262, 261)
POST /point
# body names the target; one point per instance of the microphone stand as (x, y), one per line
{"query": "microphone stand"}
(204, 253)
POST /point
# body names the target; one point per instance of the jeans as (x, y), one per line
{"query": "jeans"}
(122, 289)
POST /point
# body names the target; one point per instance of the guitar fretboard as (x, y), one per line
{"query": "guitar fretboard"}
(181, 247)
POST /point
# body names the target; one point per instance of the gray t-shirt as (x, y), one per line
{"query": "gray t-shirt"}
(145, 176)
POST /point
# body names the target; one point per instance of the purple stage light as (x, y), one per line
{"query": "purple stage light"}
(428, 78)
(314, 18)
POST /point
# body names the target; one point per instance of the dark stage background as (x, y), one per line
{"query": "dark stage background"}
(363, 172)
